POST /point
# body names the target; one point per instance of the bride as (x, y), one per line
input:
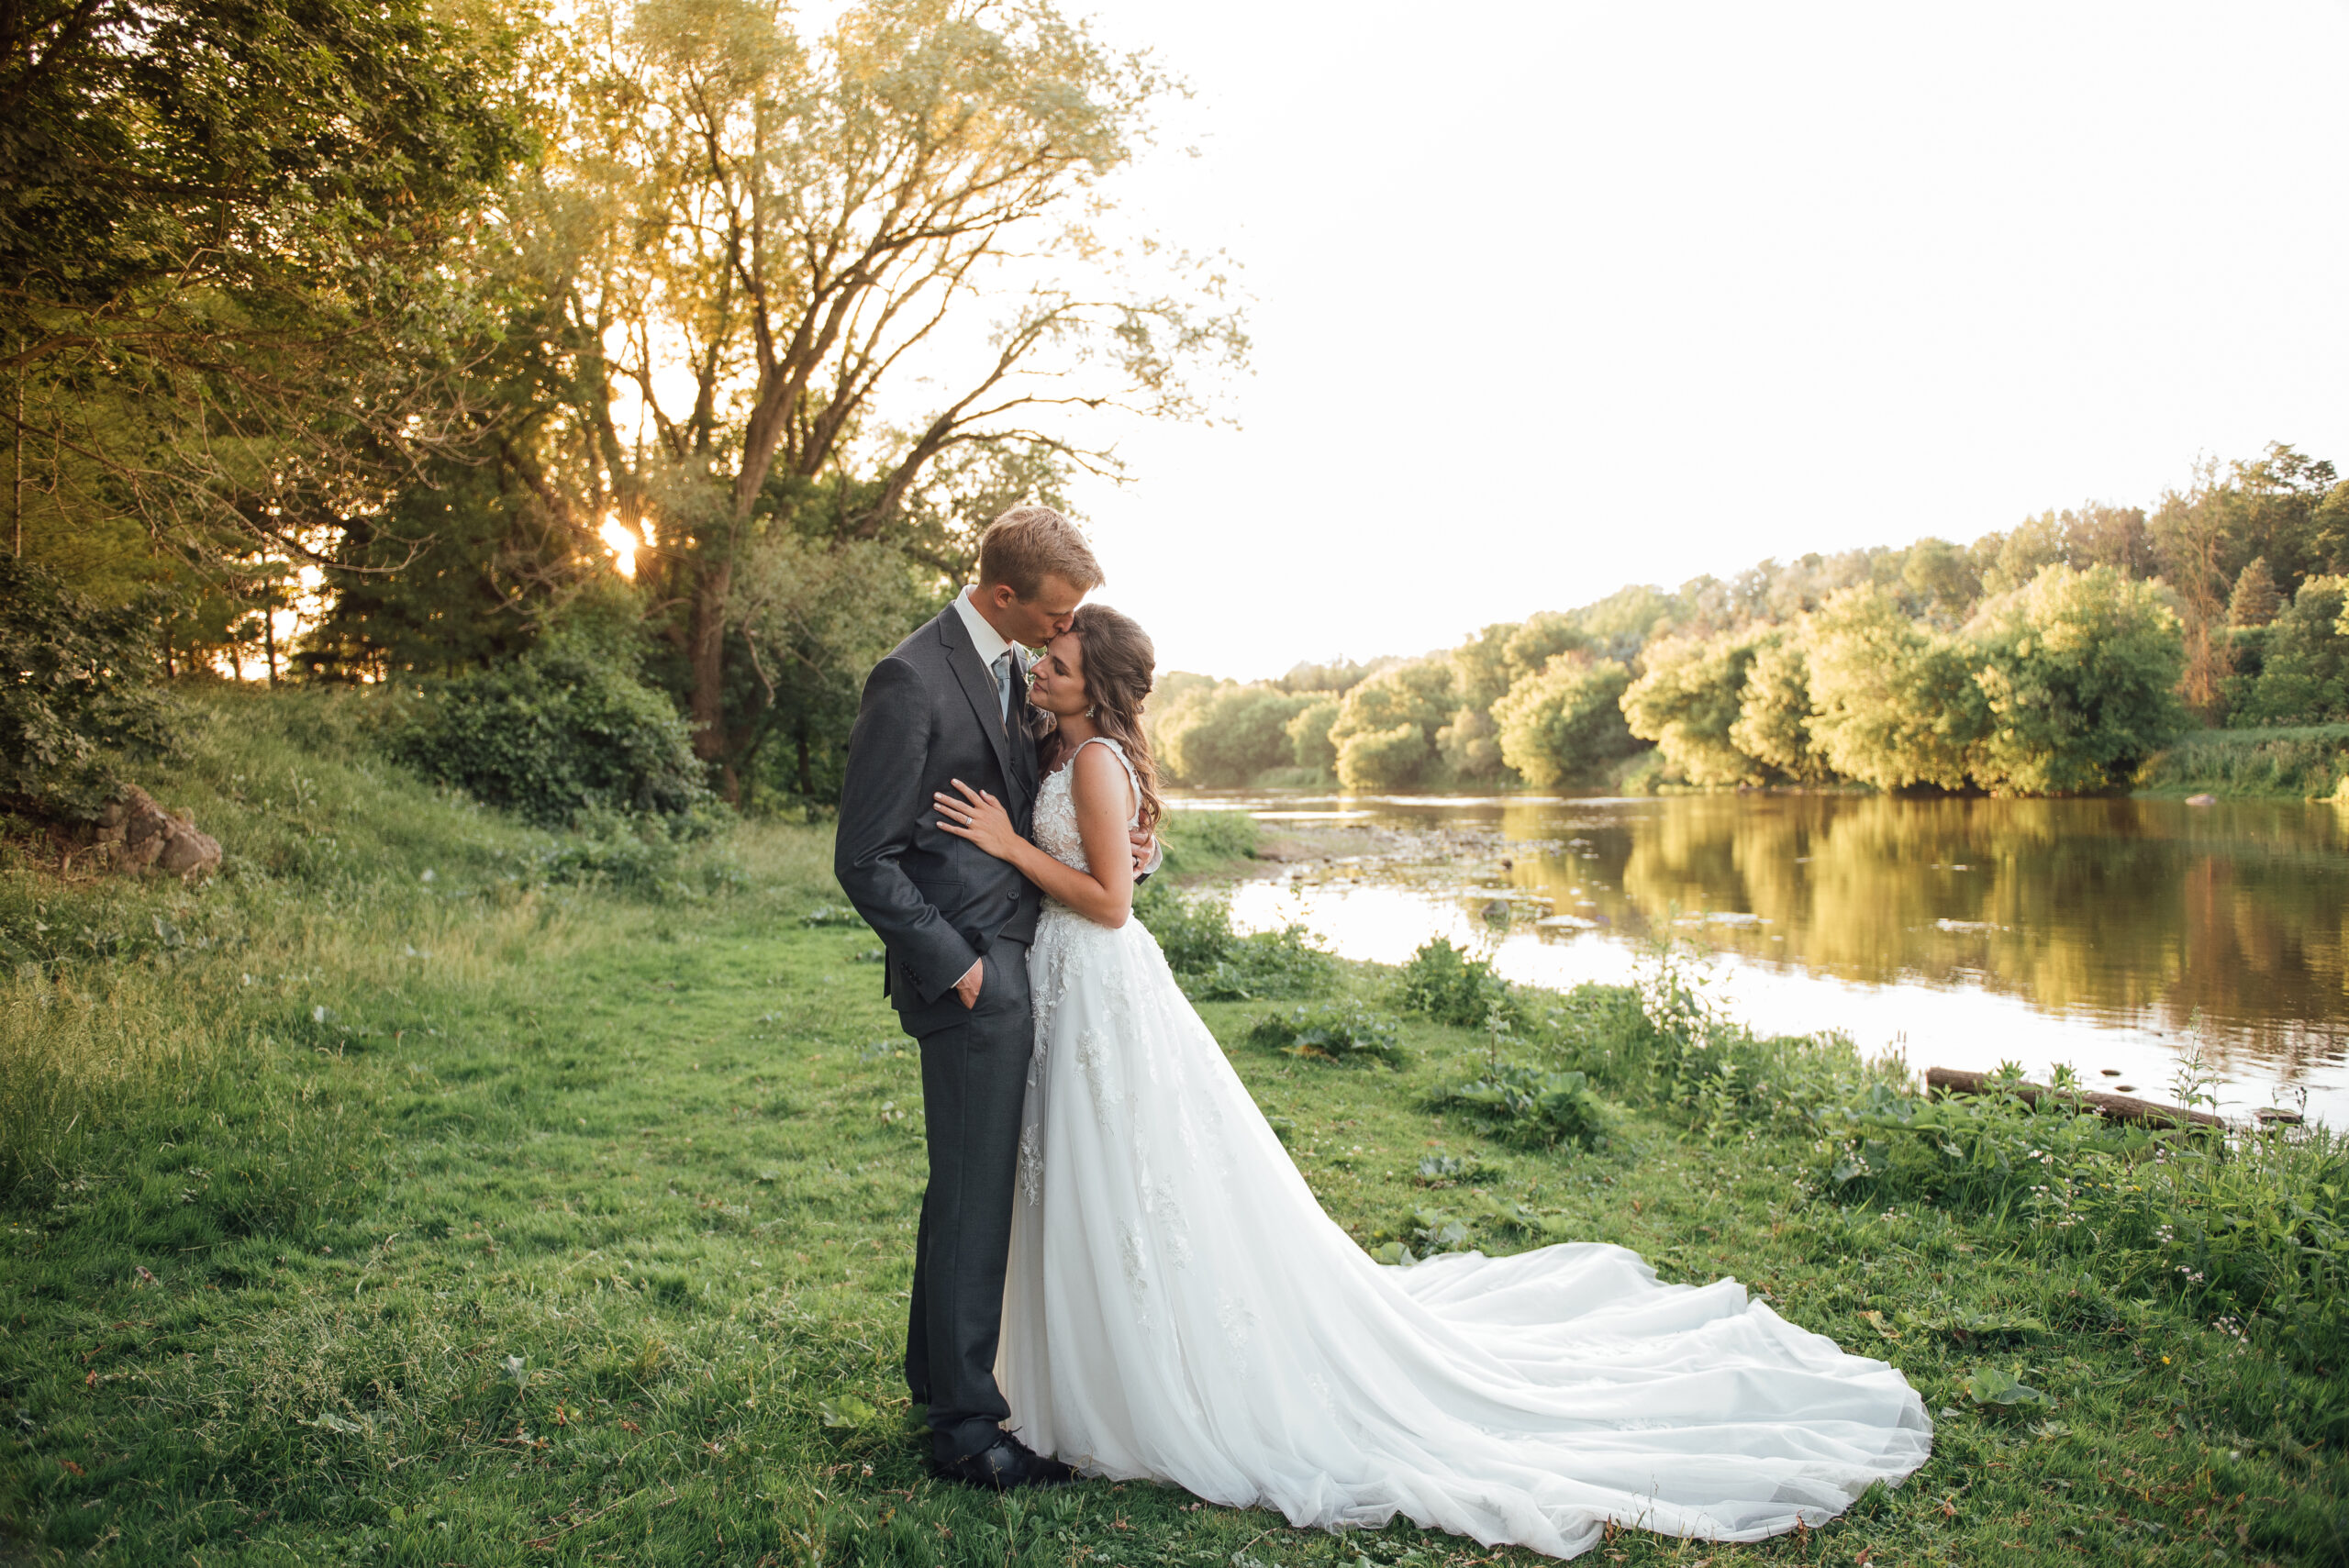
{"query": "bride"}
(1180, 1310)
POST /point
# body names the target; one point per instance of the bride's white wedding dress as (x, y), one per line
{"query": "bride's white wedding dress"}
(1179, 1308)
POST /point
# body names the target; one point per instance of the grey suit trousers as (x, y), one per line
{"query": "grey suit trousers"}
(973, 1082)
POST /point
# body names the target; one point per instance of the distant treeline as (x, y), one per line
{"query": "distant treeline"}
(2052, 657)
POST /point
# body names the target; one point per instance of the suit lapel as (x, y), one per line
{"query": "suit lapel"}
(978, 685)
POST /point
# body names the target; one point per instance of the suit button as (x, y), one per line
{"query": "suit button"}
(1012, 898)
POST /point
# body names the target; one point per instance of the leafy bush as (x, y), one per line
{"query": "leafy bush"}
(1443, 983)
(563, 730)
(1195, 934)
(1533, 1107)
(77, 686)
(1265, 966)
(1216, 963)
(1332, 1031)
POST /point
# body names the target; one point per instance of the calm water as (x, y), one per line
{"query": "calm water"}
(2108, 934)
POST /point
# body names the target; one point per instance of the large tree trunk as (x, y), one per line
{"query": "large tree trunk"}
(706, 636)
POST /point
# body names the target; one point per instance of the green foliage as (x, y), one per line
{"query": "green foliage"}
(1688, 704)
(1308, 735)
(1773, 723)
(1443, 983)
(241, 245)
(1214, 963)
(2079, 670)
(1223, 737)
(566, 729)
(1533, 1107)
(1894, 704)
(1206, 842)
(2303, 670)
(1565, 724)
(78, 690)
(2307, 762)
(1385, 736)
(1331, 1031)
(1387, 759)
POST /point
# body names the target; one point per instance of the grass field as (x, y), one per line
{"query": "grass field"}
(426, 1190)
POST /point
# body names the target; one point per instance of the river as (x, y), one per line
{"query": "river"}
(2115, 936)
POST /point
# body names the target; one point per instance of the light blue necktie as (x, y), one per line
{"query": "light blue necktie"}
(1003, 682)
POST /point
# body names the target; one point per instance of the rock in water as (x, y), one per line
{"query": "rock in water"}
(2202, 800)
(144, 836)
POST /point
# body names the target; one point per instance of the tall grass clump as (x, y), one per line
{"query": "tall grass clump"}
(2305, 761)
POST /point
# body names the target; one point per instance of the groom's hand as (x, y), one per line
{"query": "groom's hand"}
(1145, 847)
(968, 986)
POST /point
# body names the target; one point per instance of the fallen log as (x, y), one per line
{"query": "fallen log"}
(2119, 1107)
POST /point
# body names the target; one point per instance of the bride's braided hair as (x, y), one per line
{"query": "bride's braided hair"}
(1119, 665)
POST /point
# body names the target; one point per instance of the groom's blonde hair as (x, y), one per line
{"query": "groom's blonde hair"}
(1026, 544)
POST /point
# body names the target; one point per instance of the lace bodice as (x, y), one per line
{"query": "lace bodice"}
(1055, 824)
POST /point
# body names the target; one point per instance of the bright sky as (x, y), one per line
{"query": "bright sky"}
(1554, 297)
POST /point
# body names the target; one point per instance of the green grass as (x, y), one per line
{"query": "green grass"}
(2307, 762)
(514, 1218)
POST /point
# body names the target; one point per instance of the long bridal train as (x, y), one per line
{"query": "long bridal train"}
(1180, 1308)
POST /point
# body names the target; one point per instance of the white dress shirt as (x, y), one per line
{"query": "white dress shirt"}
(985, 638)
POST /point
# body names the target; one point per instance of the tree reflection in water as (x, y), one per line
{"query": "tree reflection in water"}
(2152, 912)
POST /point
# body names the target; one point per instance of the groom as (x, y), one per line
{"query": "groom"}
(950, 703)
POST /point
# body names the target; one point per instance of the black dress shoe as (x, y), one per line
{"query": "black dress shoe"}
(1003, 1465)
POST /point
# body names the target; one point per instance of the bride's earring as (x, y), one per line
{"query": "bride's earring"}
(1088, 710)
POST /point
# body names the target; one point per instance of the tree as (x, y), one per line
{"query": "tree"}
(1386, 758)
(2078, 670)
(753, 237)
(1419, 697)
(1470, 745)
(2274, 506)
(1943, 578)
(1893, 704)
(1773, 718)
(2255, 600)
(236, 310)
(2304, 675)
(1221, 739)
(1688, 702)
(75, 693)
(1565, 724)
(1308, 735)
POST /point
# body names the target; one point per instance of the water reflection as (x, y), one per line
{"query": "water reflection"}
(2151, 919)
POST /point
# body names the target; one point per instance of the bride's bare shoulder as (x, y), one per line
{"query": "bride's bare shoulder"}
(1097, 774)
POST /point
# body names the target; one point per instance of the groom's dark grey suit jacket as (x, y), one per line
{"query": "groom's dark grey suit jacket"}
(931, 715)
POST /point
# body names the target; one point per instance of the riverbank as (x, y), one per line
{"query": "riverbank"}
(429, 1189)
(2307, 762)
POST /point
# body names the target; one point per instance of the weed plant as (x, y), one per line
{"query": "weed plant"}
(389, 1201)
(1331, 1031)
(1448, 984)
(1533, 1107)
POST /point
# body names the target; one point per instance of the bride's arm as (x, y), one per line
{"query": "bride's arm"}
(1103, 799)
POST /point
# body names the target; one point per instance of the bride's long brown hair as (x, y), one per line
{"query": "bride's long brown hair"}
(1119, 665)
